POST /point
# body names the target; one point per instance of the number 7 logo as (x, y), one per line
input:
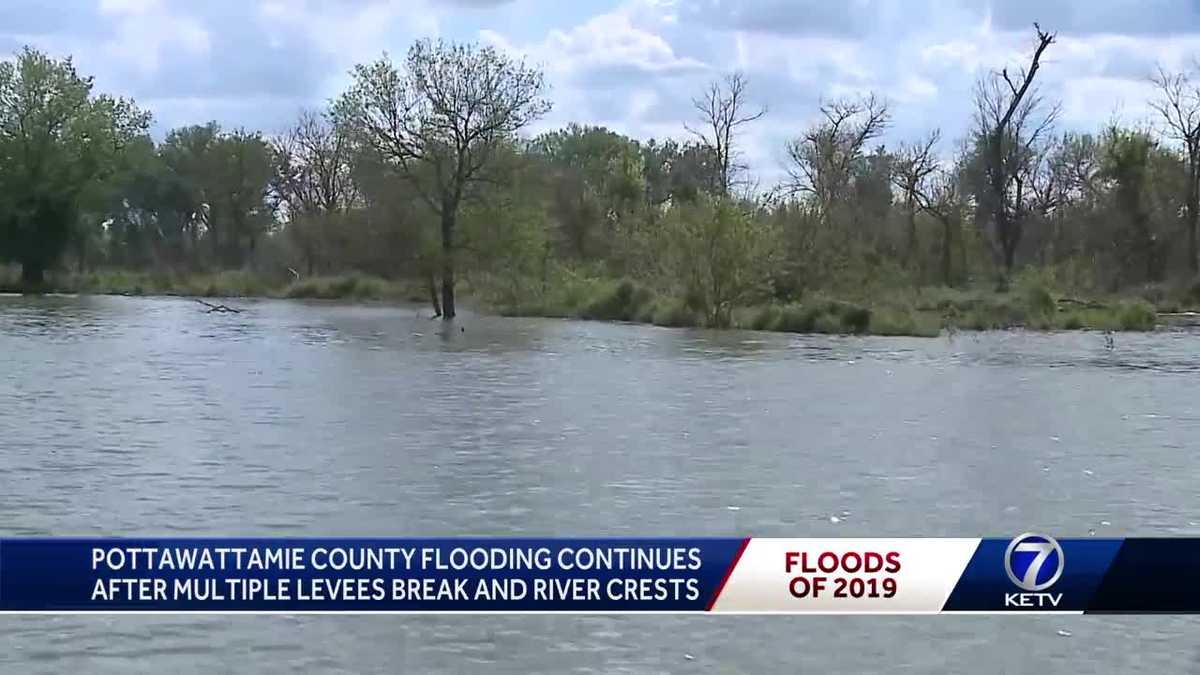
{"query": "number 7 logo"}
(1043, 548)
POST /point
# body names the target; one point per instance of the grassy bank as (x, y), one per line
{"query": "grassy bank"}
(923, 312)
(224, 285)
(913, 312)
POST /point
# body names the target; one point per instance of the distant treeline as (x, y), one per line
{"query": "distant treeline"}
(421, 171)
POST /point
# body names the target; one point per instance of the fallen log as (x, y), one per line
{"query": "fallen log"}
(218, 308)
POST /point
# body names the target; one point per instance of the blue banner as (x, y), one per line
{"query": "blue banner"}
(363, 575)
(1027, 573)
(1001, 577)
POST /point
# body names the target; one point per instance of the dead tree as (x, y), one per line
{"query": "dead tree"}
(1009, 127)
(1178, 104)
(821, 160)
(941, 196)
(936, 190)
(722, 111)
(314, 179)
(913, 164)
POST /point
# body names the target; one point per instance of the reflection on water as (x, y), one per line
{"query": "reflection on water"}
(151, 416)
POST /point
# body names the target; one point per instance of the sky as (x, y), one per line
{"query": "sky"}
(630, 65)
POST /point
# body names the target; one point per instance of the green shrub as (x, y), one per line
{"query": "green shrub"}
(312, 287)
(357, 286)
(621, 302)
(646, 312)
(1191, 297)
(898, 321)
(828, 323)
(856, 319)
(797, 319)
(766, 318)
(676, 314)
(1039, 303)
(1072, 321)
(575, 293)
(978, 319)
(1136, 316)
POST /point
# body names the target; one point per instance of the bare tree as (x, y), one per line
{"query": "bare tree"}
(940, 195)
(722, 110)
(935, 189)
(1010, 124)
(912, 165)
(313, 181)
(440, 122)
(314, 168)
(821, 160)
(1178, 104)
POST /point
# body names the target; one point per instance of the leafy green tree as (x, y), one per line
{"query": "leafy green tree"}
(439, 122)
(120, 215)
(678, 172)
(597, 183)
(507, 232)
(722, 254)
(56, 141)
(1126, 162)
(238, 195)
(181, 196)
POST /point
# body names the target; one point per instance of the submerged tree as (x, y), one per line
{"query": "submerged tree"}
(439, 121)
(56, 141)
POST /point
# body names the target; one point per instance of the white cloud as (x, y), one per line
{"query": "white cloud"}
(633, 67)
(607, 40)
(144, 30)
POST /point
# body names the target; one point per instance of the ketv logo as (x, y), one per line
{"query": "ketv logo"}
(1034, 562)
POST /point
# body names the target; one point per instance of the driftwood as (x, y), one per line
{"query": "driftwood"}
(218, 308)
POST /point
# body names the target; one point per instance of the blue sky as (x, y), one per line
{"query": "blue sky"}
(628, 64)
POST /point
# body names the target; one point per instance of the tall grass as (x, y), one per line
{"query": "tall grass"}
(225, 284)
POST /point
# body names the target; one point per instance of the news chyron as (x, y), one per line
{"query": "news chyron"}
(1028, 573)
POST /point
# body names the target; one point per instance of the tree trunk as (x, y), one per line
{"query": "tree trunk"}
(1193, 263)
(1193, 215)
(1010, 253)
(33, 274)
(433, 295)
(962, 255)
(910, 255)
(947, 231)
(448, 216)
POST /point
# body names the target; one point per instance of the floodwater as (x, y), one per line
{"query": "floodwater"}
(132, 416)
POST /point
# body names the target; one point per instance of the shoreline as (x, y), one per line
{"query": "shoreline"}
(925, 312)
